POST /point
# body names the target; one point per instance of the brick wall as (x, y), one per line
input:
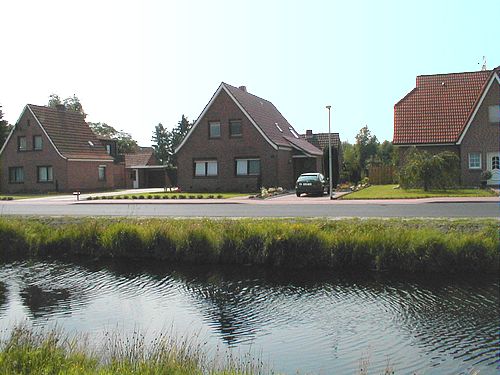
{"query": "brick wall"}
(482, 136)
(276, 170)
(84, 175)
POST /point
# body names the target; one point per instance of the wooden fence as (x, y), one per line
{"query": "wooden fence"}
(381, 174)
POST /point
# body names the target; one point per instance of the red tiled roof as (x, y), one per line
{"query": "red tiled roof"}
(266, 116)
(320, 140)
(143, 156)
(438, 109)
(69, 133)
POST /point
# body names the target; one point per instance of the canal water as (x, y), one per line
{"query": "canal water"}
(313, 322)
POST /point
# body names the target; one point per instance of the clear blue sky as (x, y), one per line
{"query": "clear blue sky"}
(134, 64)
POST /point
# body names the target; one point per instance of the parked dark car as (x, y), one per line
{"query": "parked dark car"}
(310, 183)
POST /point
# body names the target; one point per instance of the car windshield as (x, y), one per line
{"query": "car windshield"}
(308, 178)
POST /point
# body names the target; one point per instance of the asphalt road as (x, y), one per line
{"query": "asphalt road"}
(452, 210)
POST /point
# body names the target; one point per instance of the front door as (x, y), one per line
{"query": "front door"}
(493, 164)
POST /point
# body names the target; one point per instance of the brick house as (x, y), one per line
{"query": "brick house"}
(241, 142)
(52, 149)
(458, 112)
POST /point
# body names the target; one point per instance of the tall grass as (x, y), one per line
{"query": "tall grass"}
(29, 352)
(388, 245)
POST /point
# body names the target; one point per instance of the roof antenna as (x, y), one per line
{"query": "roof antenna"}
(483, 68)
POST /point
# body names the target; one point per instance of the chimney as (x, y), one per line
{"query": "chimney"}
(60, 107)
(309, 134)
(243, 88)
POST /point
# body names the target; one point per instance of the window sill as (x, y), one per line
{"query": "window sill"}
(45, 182)
(248, 175)
(205, 177)
(16, 183)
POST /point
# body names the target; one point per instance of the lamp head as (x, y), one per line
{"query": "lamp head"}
(328, 107)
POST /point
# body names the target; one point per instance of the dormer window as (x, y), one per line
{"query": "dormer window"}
(281, 130)
(293, 132)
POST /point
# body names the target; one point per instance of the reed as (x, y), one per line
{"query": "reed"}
(361, 245)
(31, 352)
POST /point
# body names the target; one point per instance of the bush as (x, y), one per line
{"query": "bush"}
(220, 196)
(192, 197)
(182, 196)
(428, 171)
(199, 196)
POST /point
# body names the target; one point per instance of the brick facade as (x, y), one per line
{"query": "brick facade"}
(482, 136)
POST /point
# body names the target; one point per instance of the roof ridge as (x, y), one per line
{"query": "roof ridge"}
(456, 73)
(246, 92)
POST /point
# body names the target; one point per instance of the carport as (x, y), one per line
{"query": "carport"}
(148, 176)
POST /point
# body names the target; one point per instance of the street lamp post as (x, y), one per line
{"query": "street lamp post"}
(329, 153)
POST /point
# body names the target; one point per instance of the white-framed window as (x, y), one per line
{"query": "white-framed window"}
(205, 168)
(495, 163)
(21, 143)
(108, 149)
(214, 129)
(102, 173)
(16, 175)
(494, 113)
(475, 160)
(37, 142)
(247, 167)
(45, 174)
(235, 128)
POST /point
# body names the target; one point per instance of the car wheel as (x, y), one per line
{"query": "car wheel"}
(298, 194)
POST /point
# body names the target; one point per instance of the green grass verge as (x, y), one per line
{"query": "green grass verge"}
(27, 352)
(445, 246)
(389, 192)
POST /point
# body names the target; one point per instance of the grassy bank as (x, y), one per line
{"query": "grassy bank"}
(28, 352)
(389, 192)
(409, 246)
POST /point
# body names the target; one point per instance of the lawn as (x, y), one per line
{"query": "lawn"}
(389, 192)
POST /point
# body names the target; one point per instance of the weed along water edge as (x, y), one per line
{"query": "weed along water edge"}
(442, 246)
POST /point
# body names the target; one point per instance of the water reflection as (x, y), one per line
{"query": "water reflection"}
(3, 297)
(312, 321)
(42, 302)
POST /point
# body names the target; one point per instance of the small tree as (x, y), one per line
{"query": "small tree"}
(5, 128)
(425, 170)
(162, 146)
(72, 103)
(124, 141)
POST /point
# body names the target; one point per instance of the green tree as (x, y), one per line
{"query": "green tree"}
(425, 170)
(72, 103)
(162, 144)
(385, 153)
(5, 128)
(366, 149)
(165, 142)
(124, 141)
(351, 171)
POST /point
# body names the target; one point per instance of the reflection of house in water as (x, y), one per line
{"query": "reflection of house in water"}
(3, 296)
(45, 302)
